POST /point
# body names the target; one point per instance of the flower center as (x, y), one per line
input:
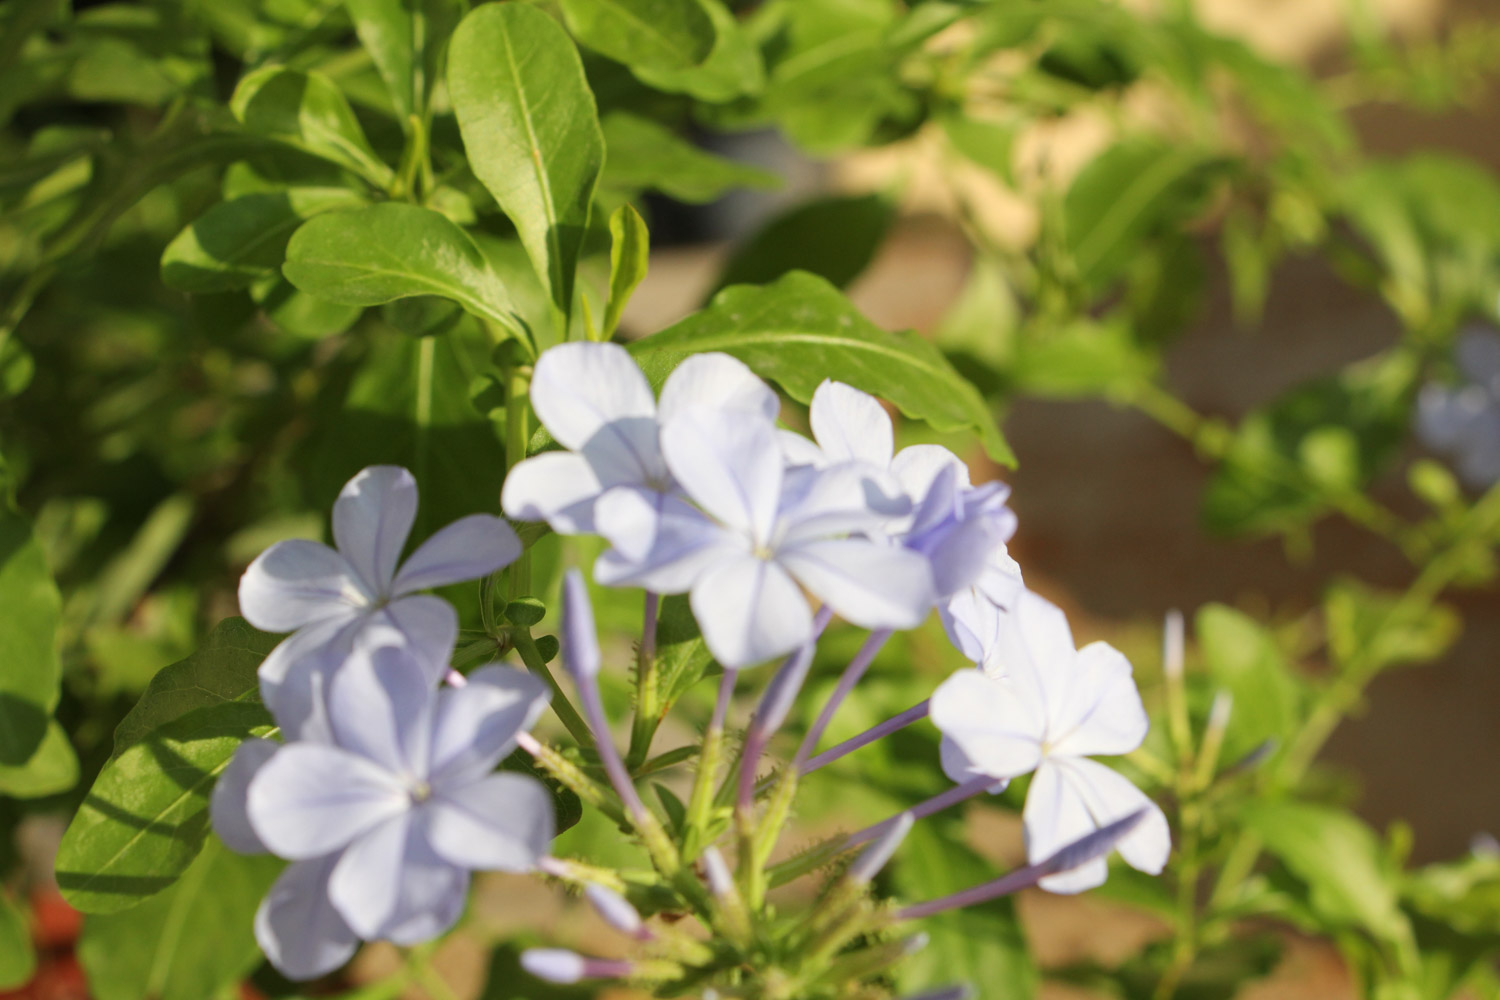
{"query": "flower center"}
(420, 791)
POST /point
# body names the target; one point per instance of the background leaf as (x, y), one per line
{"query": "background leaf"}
(52, 769)
(663, 35)
(834, 238)
(531, 131)
(733, 68)
(28, 640)
(146, 817)
(187, 943)
(221, 670)
(17, 955)
(801, 330)
(243, 239)
(629, 256)
(646, 155)
(405, 39)
(393, 251)
(308, 112)
(1242, 657)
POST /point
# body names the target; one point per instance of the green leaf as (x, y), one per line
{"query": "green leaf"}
(17, 955)
(990, 144)
(394, 251)
(222, 670)
(308, 112)
(28, 640)
(800, 330)
(662, 35)
(1242, 657)
(53, 769)
(1129, 193)
(629, 255)
(531, 131)
(1084, 357)
(1340, 859)
(682, 658)
(834, 238)
(405, 39)
(409, 404)
(733, 69)
(238, 241)
(982, 945)
(1381, 630)
(300, 314)
(644, 154)
(146, 817)
(187, 943)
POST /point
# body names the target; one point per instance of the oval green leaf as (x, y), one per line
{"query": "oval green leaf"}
(393, 251)
(800, 329)
(531, 130)
(663, 35)
(309, 112)
(28, 641)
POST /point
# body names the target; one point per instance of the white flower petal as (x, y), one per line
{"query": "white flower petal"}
(660, 542)
(1001, 582)
(391, 884)
(838, 500)
(380, 707)
(310, 799)
(500, 823)
(988, 723)
(227, 806)
(579, 389)
(427, 626)
(716, 381)
(1101, 711)
(869, 584)
(730, 465)
(371, 519)
(916, 467)
(850, 425)
(296, 583)
(797, 450)
(558, 487)
(1055, 815)
(973, 624)
(467, 549)
(297, 927)
(294, 677)
(1110, 796)
(1037, 655)
(750, 610)
(476, 725)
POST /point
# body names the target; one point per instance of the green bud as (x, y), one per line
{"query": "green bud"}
(526, 612)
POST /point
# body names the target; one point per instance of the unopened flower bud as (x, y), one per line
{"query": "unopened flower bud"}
(581, 646)
(877, 854)
(558, 965)
(616, 911)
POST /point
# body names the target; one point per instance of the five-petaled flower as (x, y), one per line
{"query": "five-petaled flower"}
(384, 820)
(334, 599)
(1464, 419)
(1056, 707)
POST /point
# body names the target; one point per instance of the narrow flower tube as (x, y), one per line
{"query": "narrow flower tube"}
(558, 965)
(774, 706)
(851, 676)
(1096, 845)
(962, 991)
(878, 853)
(939, 802)
(616, 911)
(716, 870)
(871, 735)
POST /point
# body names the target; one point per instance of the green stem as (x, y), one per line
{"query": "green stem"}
(517, 433)
(648, 708)
(532, 657)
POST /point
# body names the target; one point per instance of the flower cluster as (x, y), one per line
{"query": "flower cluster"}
(384, 795)
(383, 792)
(1464, 420)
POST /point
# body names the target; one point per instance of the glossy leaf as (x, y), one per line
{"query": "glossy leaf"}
(531, 131)
(395, 251)
(1242, 657)
(629, 255)
(405, 39)
(1338, 857)
(1372, 630)
(645, 155)
(17, 955)
(51, 770)
(146, 817)
(734, 67)
(239, 241)
(221, 670)
(834, 238)
(308, 112)
(662, 35)
(800, 330)
(187, 943)
(28, 640)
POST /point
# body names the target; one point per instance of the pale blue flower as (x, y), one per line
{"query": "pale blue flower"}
(756, 534)
(597, 404)
(1463, 420)
(1056, 707)
(359, 593)
(385, 818)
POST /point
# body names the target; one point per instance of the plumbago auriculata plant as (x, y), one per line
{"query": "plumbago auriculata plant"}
(399, 236)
